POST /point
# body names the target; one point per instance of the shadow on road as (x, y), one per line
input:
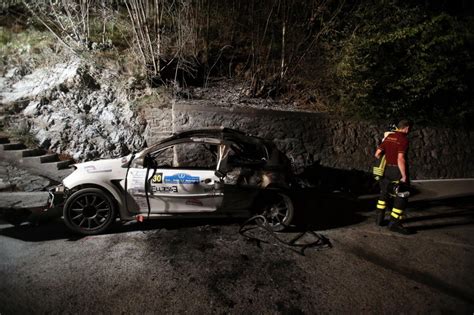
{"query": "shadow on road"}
(456, 212)
(460, 203)
(328, 179)
(40, 231)
(326, 206)
(314, 210)
(422, 277)
(56, 230)
(317, 210)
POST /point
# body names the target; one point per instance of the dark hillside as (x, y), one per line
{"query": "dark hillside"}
(370, 59)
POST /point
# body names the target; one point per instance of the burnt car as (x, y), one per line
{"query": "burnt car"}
(208, 172)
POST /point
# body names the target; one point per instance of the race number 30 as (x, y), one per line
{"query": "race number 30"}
(157, 178)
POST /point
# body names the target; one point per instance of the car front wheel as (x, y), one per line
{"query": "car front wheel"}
(89, 211)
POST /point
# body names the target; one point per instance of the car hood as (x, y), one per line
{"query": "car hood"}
(100, 166)
(97, 172)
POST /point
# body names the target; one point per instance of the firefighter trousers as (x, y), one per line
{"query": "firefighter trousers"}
(387, 195)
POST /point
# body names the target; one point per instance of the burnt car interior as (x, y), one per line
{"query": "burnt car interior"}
(237, 159)
(186, 155)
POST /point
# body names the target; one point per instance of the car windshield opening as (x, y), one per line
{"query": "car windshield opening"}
(188, 155)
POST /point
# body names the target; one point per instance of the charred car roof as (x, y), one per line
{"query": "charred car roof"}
(247, 144)
(251, 149)
(218, 133)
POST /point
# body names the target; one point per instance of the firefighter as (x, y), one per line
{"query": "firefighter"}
(394, 181)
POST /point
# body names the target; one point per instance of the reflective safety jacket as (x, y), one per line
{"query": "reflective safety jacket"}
(379, 169)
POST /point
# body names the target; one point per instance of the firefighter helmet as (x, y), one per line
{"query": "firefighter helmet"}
(398, 189)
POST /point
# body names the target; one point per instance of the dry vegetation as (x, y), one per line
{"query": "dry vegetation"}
(376, 59)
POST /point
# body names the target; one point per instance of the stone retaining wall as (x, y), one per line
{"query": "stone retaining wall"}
(159, 123)
(313, 138)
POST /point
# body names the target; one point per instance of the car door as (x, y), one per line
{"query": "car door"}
(181, 179)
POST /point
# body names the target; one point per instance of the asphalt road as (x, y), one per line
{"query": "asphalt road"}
(208, 267)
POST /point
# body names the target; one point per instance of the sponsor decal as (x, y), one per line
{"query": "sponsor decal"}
(136, 190)
(137, 173)
(137, 182)
(157, 178)
(92, 169)
(169, 189)
(182, 178)
(194, 202)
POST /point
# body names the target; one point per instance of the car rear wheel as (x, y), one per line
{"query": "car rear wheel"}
(278, 210)
(89, 211)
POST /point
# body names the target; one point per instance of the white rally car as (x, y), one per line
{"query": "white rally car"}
(214, 172)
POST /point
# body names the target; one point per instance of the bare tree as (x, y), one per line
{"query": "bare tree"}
(72, 21)
(156, 42)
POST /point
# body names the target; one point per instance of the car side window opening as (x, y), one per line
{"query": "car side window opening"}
(188, 155)
(242, 167)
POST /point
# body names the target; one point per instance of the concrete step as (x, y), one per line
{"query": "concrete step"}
(46, 158)
(37, 162)
(64, 164)
(57, 165)
(12, 146)
(33, 152)
(19, 154)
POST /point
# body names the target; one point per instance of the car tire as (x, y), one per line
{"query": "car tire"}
(89, 211)
(277, 208)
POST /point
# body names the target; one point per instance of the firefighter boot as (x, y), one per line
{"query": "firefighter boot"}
(381, 206)
(395, 225)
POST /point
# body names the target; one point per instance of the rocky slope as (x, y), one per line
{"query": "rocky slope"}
(89, 107)
(74, 108)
